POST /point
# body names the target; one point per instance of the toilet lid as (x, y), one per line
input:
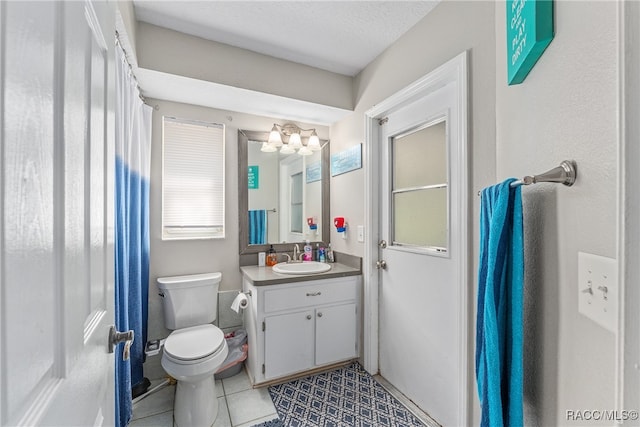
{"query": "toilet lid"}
(194, 343)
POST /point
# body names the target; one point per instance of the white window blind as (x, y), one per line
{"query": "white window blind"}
(192, 179)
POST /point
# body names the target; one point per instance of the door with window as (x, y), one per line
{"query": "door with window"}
(419, 254)
(56, 220)
(291, 199)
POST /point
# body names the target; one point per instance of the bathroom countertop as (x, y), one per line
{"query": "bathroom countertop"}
(261, 276)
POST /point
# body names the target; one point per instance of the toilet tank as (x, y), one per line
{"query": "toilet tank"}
(189, 300)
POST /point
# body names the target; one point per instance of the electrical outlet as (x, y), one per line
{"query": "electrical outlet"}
(598, 289)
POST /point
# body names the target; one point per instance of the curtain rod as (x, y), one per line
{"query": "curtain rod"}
(126, 58)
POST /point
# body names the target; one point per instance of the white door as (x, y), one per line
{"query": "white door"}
(56, 236)
(419, 283)
(292, 196)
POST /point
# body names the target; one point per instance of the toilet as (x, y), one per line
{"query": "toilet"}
(195, 349)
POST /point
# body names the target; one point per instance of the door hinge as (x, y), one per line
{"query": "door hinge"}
(264, 326)
(383, 120)
(263, 368)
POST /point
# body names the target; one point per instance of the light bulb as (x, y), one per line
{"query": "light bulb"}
(305, 151)
(268, 148)
(274, 137)
(286, 149)
(295, 141)
(314, 142)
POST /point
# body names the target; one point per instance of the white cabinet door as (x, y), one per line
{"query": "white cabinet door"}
(288, 343)
(335, 333)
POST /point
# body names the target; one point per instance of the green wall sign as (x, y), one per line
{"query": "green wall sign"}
(254, 177)
(529, 32)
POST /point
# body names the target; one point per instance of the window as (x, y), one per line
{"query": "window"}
(192, 179)
(420, 188)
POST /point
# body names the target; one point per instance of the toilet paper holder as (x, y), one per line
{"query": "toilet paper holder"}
(241, 301)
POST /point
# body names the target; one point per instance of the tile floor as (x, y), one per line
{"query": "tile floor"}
(239, 405)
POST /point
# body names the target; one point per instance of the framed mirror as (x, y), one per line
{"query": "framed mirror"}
(283, 198)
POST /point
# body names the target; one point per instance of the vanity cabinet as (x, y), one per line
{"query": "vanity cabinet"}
(296, 327)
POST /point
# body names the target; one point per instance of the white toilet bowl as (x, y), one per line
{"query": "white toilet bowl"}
(192, 355)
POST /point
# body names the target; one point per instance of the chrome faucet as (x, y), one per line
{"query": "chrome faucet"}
(296, 252)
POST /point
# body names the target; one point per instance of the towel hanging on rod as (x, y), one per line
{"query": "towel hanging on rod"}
(565, 174)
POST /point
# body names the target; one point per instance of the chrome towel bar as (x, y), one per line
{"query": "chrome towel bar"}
(565, 174)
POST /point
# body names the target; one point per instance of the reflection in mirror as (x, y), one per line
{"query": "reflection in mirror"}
(285, 195)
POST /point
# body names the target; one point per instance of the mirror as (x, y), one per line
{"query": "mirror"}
(283, 198)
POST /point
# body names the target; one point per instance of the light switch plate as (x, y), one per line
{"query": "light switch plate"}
(598, 289)
(361, 233)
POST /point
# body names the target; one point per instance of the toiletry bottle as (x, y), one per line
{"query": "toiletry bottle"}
(317, 254)
(321, 254)
(272, 257)
(308, 252)
(329, 254)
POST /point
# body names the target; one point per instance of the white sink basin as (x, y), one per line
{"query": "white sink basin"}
(307, 267)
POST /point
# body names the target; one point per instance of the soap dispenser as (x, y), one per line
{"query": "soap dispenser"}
(272, 257)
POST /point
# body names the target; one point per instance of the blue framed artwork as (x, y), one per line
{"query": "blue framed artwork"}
(254, 177)
(347, 160)
(529, 32)
(314, 172)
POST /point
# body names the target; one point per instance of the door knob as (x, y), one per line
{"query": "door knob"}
(382, 244)
(320, 314)
(116, 337)
(382, 264)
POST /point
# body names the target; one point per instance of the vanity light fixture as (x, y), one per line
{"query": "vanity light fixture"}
(288, 138)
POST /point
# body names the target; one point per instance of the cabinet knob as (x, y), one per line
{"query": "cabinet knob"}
(319, 314)
(308, 317)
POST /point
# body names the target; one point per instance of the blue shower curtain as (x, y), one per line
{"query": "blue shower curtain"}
(133, 146)
(499, 370)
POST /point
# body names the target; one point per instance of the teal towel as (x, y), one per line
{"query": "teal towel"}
(257, 227)
(499, 317)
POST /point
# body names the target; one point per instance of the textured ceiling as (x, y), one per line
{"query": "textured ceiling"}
(338, 36)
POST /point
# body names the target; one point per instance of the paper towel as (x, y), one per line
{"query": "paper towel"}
(240, 302)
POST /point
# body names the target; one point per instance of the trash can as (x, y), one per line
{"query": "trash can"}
(238, 348)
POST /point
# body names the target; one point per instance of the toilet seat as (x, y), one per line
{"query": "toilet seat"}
(191, 345)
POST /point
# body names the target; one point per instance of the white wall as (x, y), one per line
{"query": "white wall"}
(177, 53)
(565, 109)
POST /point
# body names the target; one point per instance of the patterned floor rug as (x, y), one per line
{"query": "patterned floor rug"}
(348, 396)
(271, 423)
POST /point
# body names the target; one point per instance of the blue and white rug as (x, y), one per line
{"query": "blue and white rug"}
(348, 396)
(271, 423)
